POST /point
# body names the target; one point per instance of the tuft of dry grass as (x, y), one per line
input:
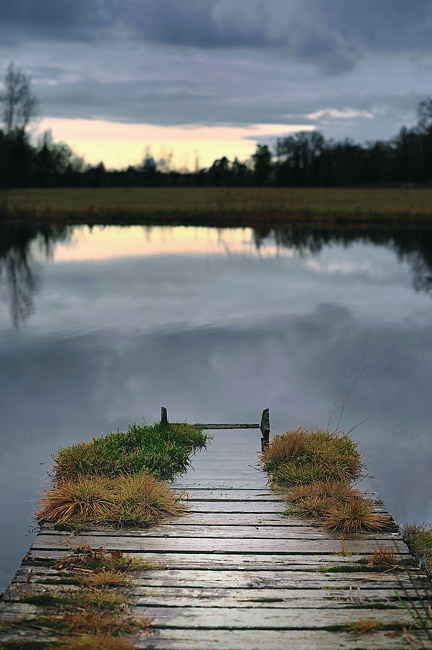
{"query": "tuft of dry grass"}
(317, 498)
(303, 456)
(354, 516)
(121, 500)
(100, 560)
(143, 498)
(81, 499)
(364, 625)
(101, 599)
(95, 642)
(315, 468)
(384, 558)
(284, 448)
(106, 578)
(104, 623)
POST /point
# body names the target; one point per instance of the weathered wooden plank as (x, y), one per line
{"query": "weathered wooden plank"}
(194, 494)
(229, 618)
(185, 596)
(237, 506)
(214, 545)
(282, 598)
(226, 577)
(237, 519)
(222, 562)
(278, 580)
(258, 481)
(250, 577)
(230, 532)
(245, 506)
(180, 639)
(222, 532)
(265, 618)
(219, 518)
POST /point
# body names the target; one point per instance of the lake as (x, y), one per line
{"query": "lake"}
(100, 327)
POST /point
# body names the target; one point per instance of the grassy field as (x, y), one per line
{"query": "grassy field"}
(217, 206)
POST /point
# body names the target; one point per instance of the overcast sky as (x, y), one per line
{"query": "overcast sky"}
(208, 78)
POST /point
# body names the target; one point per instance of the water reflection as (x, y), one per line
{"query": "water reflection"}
(20, 278)
(413, 245)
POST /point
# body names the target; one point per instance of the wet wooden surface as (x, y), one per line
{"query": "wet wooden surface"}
(238, 573)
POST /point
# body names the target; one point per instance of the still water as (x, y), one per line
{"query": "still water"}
(103, 326)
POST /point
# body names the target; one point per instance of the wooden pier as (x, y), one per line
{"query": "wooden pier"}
(241, 574)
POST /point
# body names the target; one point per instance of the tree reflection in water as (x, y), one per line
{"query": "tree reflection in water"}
(411, 244)
(19, 279)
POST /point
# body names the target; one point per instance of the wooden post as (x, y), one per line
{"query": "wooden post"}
(265, 428)
(164, 417)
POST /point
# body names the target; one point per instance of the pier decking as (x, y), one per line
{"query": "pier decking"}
(240, 574)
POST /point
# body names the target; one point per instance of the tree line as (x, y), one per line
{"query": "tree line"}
(305, 158)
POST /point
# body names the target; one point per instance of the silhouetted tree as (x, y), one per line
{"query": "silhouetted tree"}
(19, 106)
(19, 103)
(262, 165)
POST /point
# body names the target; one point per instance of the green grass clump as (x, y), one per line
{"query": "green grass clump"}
(419, 541)
(162, 451)
(302, 456)
(139, 499)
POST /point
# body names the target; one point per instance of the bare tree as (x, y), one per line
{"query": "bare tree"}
(19, 103)
(424, 115)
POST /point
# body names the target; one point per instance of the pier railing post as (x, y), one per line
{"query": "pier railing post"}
(265, 428)
(164, 417)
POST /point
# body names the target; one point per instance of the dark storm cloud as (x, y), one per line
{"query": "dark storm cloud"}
(333, 34)
(80, 20)
(202, 23)
(336, 33)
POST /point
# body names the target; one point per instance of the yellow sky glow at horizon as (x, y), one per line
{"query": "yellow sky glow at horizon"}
(119, 145)
(140, 241)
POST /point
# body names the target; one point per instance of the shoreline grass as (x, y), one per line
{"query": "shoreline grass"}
(219, 206)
